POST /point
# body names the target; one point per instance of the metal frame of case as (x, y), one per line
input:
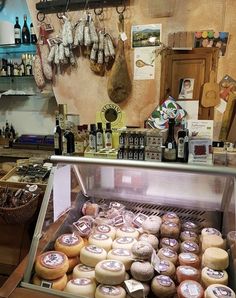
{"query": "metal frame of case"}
(143, 186)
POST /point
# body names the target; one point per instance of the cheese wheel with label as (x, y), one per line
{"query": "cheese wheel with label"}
(212, 241)
(189, 235)
(90, 255)
(56, 284)
(82, 270)
(100, 240)
(187, 273)
(210, 231)
(168, 254)
(123, 255)
(142, 271)
(163, 286)
(190, 246)
(151, 239)
(127, 232)
(170, 229)
(110, 272)
(190, 226)
(85, 287)
(189, 259)
(170, 243)
(70, 244)
(190, 289)
(219, 291)
(106, 291)
(215, 258)
(152, 224)
(142, 250)
(106, 229)
(210, 277)
(51, 265)
(172, 217)
(124, 242)
(166, 267)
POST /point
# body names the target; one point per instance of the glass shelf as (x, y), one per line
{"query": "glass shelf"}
(18, 86)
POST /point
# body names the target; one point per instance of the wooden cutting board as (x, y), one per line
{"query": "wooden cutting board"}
(210, 93)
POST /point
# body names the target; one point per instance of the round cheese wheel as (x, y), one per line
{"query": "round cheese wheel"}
(190, 289)
(187, 273)
(90, 255)
(82, 270)
(151, 239)
(51, 265)
(170, 229)
(56, 284)
(210, 231)
(219, 291)
(142, 271)
(166, 267)
(121, 254)
(190, 226)
(231, 237)
(142, 250)
(105, 291)
(163, 286)
(100, 240)
(110, 272)
(189, 236)
(189, 246)
(70, 244)
(152, 224)
(189, 259)
(168, 254)
(127, 232)
(210, 277)
(72, 263)
(170, 243)
(124, 242)
(215, 258)
(106, 229)
(212, 241)
(171, 216)
(85, 287)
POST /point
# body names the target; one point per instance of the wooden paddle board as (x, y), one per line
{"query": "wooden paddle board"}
(210, 93)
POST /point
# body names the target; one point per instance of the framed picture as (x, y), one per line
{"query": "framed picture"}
(186, 87)
(146, 35)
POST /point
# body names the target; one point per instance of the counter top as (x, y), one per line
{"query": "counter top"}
(24, 153)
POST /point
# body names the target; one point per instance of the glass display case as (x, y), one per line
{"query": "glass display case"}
(202, 194)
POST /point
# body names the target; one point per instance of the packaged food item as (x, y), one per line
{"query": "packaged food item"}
(90, 208)
(136, 289)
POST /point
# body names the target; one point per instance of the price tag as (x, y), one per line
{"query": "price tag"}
(133, 285)
(139, 219)
(46, 284)
(126, 179)
(123, 36)
(119, 220)
(155, 261)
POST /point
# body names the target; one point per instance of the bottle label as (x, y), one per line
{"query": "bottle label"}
(32, 32)
(181, 148)
(108, 140)
(170, 154)
(92, 142)
(79, 147)
(56, 141)
(99, 139)
(61, 121)
(17, 33)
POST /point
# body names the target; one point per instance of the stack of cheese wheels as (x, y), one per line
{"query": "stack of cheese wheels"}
(110, 272)
(51, 267)
(82, 270)
(84, 287)
(107, 291)
(91, 255)
(127, 232)
(101, 240)
(121, 254)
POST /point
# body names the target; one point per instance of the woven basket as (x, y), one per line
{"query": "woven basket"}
(21, 214)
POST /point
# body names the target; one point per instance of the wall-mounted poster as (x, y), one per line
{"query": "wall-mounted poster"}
(144, 63)
(186, 86)
(146, 35)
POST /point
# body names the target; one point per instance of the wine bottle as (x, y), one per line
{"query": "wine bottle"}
(92, 138)
(17, 29)
(170, 150)
(25, 31)
(33, 38)
(182, 142)
(108, 136)
(99, 136)
(57, 137)
(70, 139)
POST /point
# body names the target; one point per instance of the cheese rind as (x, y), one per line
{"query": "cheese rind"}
(84, 286)
(91, 255)
(123, 255)
(70, 244)
(168, 254)
(142, 250)
(124, 242)
(142, 271)
(100, 240)
(189, 259)
(166, 267)
(215, 258)
(210, 277)
(106, 229)
(82, 270)
(212, 241)
(190, 289)
(110, 272)
(187, 273)
(127, 232)
(56, 284)
(219, 291)
(150, 238)
(106, 291)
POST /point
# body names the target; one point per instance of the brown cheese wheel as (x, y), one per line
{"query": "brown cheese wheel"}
(168, 254)
(142, 271)
(142, 250)
(189, 259)
(170, 243)
(166, 267)
(190, 289)
(187, 273)
(190, 246)
(163, 286)
(190, 226)
(56, 284)
(171, 216)
(151, 239)
(189, 236)
(70, 244)
(170, 229)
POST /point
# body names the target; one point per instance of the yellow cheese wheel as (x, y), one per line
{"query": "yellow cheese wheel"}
(100, 240)
(127, 232)
(212, 241)
(219, 291)
(51, 265)
(56, 284)
(110, 272)
(84, 287)
(82, 270)
(124, 242)
(106, 291)
(121, 254)
(90, 255)
(210, 277)
(106, 229)
(70, 244)
(215, 258)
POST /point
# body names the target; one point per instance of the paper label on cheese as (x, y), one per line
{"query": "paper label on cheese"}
(190, 234)
(190, 246)
(127, 229)
(112, 265)
(133, 285)
(81, 281)
(169, 253)
(109, 290)
(190, 289)
(163, 266)
(164, 281)
(216, 274)
(103, 229)
(68, 239)
(94, 249)
(121, 252)
(189, 225)
(187, 270)
(52, 259)
(85, 268)
(222, 292)
(139, 219)
(171, 215)
(119, 220)
(188, 256)
(125, 240)
(169, 241)
(83, 227)
(100, 236)
(170, 224)
(155, 261)
(211, 231)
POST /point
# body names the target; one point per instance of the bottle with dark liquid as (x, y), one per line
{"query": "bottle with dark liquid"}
(57, 137)
(25, 32)
(170, 147)
(108, 136)
(182, 141)
(70, 140)
(17, 32)
(92, 138)
(99, 136)
(33, 38)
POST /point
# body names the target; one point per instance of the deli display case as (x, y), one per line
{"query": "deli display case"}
(204, 195)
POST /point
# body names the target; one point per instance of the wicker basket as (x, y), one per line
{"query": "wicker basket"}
(21, 214)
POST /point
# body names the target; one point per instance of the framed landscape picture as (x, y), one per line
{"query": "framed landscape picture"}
(146, 35)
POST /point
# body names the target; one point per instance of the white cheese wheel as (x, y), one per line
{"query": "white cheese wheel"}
(90, 255)
(142, 271)
(190, 289)
(100, 240)
(56, 284)
(142, 250)
(110, 272)
(215, 258)
(70, 244)
(85, 287)
(150, 238)
(152, 224)
(168, 254)
(212, 241)
(210, 277)
(121, 254)
(106, 229)
(124, 242)
(51, 265)
(82, 270)
(127, 232)
(72, 263)
(219, 291)
(105, 291)
(163, 286)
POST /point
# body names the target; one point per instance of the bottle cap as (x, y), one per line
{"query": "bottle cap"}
(99, 125)
(108, 125)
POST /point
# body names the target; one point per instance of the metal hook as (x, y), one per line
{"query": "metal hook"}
(98, 11)
(122, 10)
(40, 16)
